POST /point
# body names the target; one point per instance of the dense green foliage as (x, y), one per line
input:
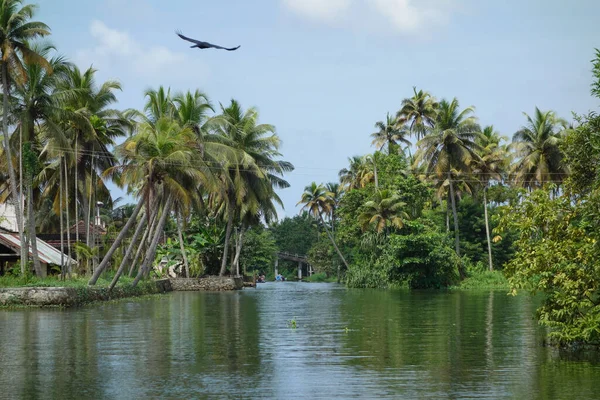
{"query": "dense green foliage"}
(558, 251)
(204, 180)
(295, 235)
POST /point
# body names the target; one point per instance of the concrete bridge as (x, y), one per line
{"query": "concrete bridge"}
(300, 259)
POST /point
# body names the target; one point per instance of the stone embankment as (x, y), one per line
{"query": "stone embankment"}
(70, 296)
(208, 283)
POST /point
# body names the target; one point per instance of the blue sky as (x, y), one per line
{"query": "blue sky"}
(324, 71)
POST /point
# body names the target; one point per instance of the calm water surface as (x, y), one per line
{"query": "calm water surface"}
(347, 344)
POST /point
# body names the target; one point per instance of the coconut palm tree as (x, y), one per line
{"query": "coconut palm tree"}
(252, 170)
(383, 212)
(82, 141)
(36, 105)
(450, 146)
(490, 165)
(419, 111)
(361, 172)
(349, 176)
(315, 200)
(192, 109)
(162, 159)
(389, 133)
(335, 192)
(16, 31)
(537, 149)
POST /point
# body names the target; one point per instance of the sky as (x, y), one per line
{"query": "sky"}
(324, 71)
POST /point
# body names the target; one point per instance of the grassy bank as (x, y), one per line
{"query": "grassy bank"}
(483, 280)
(52, 281)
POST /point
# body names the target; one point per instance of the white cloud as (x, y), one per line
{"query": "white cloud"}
(404, 16)
(409, 16)
(116, 49)
(325, 10)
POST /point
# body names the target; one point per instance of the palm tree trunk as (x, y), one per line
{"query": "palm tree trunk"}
(141, 246)
(11, 171)
(149, 229)
(116, 243)
(62, 226)
(31, 231)
(227, 238)
(182, 247)
(88, 241)
(456, 237)
(126, 258)
(76, 191)
(151, 252)
(238, 251)
(21, 171)
(447, 217)
(67, 219)
(487, 228)
(333, 241)
(375, 173)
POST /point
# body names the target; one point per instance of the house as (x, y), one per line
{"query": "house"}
(10, 245)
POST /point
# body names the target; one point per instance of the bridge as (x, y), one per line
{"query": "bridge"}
(301, 260)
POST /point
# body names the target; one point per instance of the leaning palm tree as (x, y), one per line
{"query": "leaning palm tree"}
(389, 133)
(315, 201)
(490, 165)
(450, 146)
(162, 160)
(537, 149)
(16, 30)
(383, 212)
(419, 111)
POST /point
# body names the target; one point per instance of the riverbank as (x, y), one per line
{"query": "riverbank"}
(483, 280)
(53, 293)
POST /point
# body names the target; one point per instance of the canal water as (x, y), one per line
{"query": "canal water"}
(243, 345)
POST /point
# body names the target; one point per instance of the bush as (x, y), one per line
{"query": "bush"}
(319, 277)
(421, 257)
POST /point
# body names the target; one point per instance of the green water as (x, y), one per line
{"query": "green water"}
(347, 344)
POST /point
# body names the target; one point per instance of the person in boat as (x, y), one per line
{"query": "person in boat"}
(278, 278)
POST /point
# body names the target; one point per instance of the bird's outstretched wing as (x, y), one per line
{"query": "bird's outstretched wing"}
(187, 38)
(205, 45)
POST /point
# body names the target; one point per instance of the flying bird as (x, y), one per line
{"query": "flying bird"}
(204, 45)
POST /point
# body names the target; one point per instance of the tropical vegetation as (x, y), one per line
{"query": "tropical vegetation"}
(443, 197)
(204, 180)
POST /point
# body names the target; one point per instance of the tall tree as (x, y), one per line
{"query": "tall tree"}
(539, 159)
(315, 201)
(16, 31)
(252, 171)
(450, 148)
(420, 111)
(383, 211)
(360, 173)
(490, 166)
(389, 133)
(162, 160)
(38, 104)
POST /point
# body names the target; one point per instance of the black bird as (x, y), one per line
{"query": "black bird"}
(204, 45)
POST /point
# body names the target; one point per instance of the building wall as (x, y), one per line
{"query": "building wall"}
(8, 218)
